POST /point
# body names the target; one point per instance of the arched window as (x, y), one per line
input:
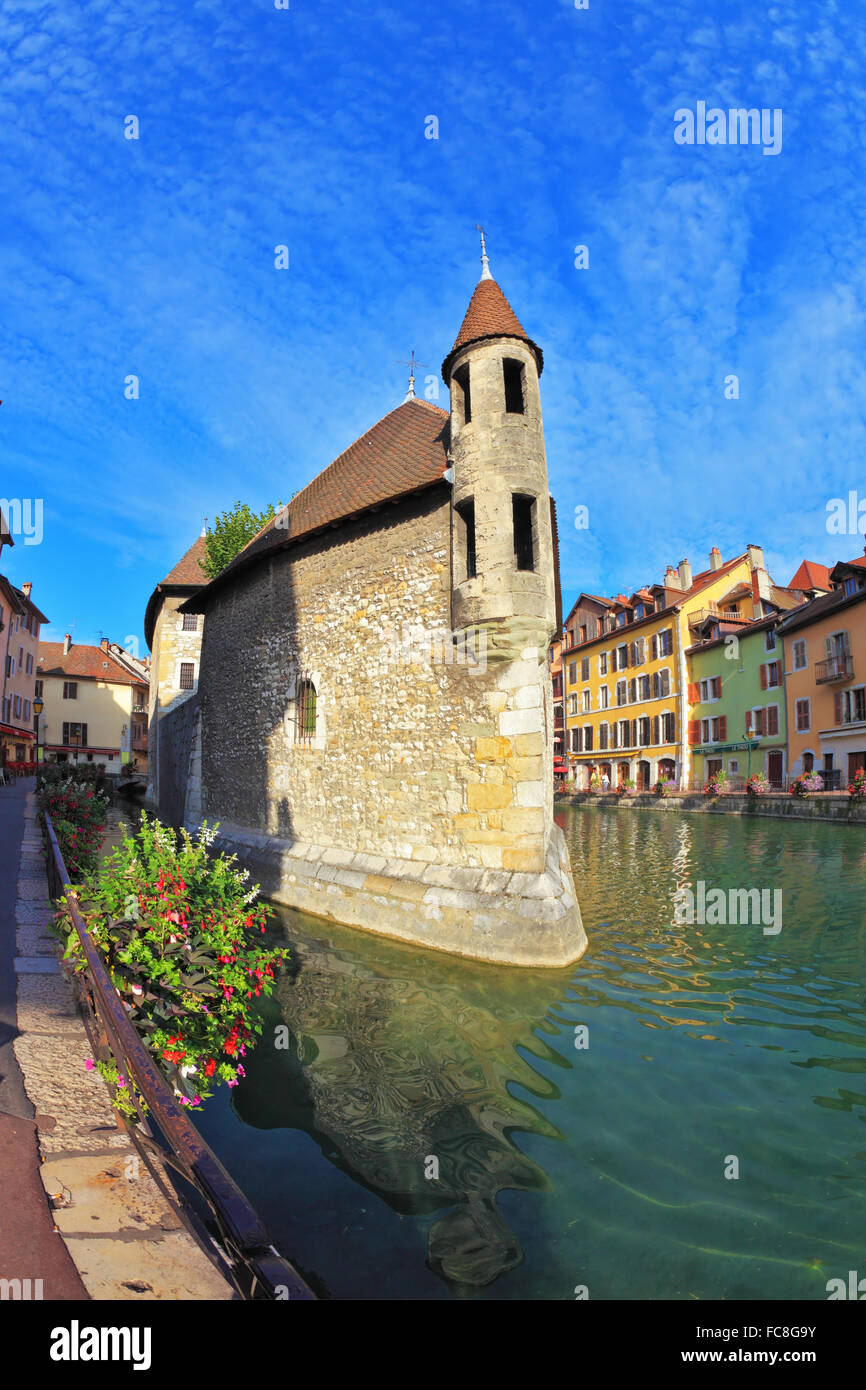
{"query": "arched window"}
(305, 727)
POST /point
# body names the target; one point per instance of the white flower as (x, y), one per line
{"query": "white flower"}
(188, 1071)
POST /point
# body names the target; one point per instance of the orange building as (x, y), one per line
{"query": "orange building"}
(825, 678)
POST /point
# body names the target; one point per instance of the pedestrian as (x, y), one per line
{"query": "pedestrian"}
(605, 782)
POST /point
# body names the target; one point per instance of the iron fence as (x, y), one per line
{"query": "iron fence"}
(258, 1270)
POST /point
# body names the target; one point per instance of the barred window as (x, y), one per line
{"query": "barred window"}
(190, 622)
(187, 675)
(305, 727)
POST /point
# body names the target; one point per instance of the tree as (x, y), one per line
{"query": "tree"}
(230, 533)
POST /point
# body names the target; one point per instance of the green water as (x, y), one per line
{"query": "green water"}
(559, 1167)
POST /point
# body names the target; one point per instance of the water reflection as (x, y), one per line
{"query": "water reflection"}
(401, 1071)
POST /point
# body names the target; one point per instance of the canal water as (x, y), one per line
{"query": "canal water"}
(428, 1128)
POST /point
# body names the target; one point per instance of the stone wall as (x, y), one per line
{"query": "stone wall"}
(178, 766)
(835, 808)
(171, 646)
(424, 763)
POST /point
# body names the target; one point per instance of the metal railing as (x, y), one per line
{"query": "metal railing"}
(837, 668)
(256, 1268)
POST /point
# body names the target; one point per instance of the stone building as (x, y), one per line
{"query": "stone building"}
(174, 640)
(95, 702)
(374, 722)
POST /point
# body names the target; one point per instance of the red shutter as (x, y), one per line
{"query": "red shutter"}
(837, 706)
(748, 719)
(717, 687)
(694, 693)
(694, 731)
(763, 677)
(772, 719)
(723, 727)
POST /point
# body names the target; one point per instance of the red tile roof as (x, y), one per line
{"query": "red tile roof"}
(404, 452)
(188, 571)
(83, 663)
(489, 316)
(810, 576)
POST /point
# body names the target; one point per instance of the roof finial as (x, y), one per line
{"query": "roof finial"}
(411, 364)
(485, 264)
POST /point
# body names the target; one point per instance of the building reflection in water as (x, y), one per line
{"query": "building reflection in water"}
(395, 1070)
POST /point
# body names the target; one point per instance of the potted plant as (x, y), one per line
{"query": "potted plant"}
(626, 787)
(857, 788)
(758, 784)
(665, 787)
(717, 783)
(806, 782)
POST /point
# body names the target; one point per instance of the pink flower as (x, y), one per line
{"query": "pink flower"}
(231, 1083)
(241, 1071)
(89, 1064)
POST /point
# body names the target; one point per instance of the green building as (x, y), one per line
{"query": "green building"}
(736, 701)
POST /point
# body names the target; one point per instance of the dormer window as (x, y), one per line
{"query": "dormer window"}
(514, 397)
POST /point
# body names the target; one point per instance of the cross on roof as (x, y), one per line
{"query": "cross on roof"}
(411, 364)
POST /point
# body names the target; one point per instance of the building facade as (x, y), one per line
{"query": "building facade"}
(824, 645)
(174, 639)
(374, 723)
(95, 705)
(20, 624)
(627, 685)
(737, 713)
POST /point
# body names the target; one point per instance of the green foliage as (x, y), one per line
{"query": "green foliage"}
(230, 533)
(181, 941)
(78, 815)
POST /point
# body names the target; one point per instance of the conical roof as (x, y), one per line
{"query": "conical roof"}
(489, 316)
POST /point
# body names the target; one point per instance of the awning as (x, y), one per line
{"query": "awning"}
(16, 733)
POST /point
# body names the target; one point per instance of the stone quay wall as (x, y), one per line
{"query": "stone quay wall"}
(422, 807)
(818, 807)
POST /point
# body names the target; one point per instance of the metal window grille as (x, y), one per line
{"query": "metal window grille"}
(306, 722)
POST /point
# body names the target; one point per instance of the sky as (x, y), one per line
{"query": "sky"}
(308, 127)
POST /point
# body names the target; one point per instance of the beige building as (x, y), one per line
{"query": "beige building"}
(95, 705)
(175, 643)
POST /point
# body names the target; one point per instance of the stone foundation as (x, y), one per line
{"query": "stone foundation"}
(488, 914)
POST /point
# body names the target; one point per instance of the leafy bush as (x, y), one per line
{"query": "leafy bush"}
(758, 784)
(181, 941)
(716, 784)
(807, 782)
(665, 786)
(78, 815)
(857, 788)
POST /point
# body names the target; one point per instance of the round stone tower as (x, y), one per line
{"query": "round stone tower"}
(503, 566)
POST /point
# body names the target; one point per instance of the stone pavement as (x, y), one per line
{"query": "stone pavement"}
(114, 1233)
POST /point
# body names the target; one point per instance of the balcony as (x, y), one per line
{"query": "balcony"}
(838, 668)
(725, 615)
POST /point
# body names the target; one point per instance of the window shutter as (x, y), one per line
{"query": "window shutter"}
(614, 736)
(633, 741)
(655, 648)
(749, 720)
(717, 687)
(694, 693)
(759, 721)
(763, 677)
(83, 734)
(694, 732)
(772, 720)
(847, 642)
(723, 728)
(655, 729)
(837, 706)
(66, 724)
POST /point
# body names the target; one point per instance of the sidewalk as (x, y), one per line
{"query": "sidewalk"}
(31, 1248)
(116, 1236)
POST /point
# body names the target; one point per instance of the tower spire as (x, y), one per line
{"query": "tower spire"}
(485, 264)
(411, 364)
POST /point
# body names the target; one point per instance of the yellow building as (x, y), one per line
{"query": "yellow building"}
(95, 705)
(626, 675)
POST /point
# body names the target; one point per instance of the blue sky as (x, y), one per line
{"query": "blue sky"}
(260, 127)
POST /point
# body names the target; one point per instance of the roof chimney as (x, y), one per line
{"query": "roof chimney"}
(104, 644)
(715, 558)
(671, 579)
(756, 557)
(25, 589)
(67, 643)
(685, 571)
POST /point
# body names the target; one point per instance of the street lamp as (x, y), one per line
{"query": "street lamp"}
(751, 738)
(38, 707)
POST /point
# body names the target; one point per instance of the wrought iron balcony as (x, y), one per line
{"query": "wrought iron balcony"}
(838, 668)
